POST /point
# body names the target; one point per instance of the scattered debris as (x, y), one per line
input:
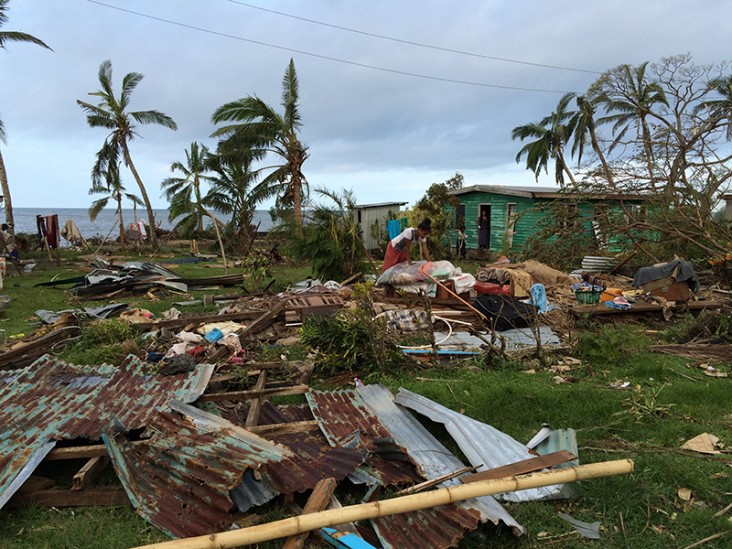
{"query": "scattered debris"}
(704, 444)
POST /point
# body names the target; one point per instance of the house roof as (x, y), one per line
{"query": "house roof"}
(379, 205)
(530, 191)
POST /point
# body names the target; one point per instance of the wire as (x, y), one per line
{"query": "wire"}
(325, 57)
(411, 43)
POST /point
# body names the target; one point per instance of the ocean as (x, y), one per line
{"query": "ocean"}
(25, 220)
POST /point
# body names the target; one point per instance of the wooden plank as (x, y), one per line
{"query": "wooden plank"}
(22, 353)
(199, 319)
(97, 450)
(246, 395)
(318, 501)
(255, 405)
(435, 481)
(522, 467)
(109, 496)
(89, 472)
(639, 308)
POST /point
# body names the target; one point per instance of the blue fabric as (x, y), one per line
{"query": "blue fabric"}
(538, 297)
(393, 227)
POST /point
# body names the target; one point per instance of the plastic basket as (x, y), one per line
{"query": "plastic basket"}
(587, 297)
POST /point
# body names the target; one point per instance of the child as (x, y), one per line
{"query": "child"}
(461, 243)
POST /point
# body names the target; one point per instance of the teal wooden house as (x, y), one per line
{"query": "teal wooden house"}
(516, 212)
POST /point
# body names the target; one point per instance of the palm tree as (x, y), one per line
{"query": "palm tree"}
(552, 134)
(721, 108)
(256, 130)
(584, 126)
(234, 192)
(111, 114)
(111, 185)
(184, 193)
(630, 102)
(10, 36)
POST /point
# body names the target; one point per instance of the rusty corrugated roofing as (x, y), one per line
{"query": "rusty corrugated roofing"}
(179, 480)
(51, 400)
(345, 420)
(434, 528)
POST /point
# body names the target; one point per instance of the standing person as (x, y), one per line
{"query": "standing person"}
(398, 249)
(484, 231)
(462, 248)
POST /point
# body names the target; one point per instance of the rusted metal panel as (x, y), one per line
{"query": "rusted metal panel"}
(179, 480)
(435, 528)
(345, 420)
(51, 400)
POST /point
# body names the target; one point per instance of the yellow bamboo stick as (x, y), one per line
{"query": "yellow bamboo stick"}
(403, 504)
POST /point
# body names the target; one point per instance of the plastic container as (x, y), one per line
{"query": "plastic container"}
(587, 297)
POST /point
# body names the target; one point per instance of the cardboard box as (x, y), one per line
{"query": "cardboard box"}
(674, 291)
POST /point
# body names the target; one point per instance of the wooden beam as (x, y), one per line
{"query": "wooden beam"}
(109, 496)
(246, 395)
(522, 467)
(89, 472)
(198, 319)
(318, 501)
(435, 481)
(639, 308)
(255, 405)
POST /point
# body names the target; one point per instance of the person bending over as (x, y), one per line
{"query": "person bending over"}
(398, 249)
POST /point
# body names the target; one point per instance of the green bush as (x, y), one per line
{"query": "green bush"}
(611, 344)
(106, 341)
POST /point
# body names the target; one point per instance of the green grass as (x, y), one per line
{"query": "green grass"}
(667, 402)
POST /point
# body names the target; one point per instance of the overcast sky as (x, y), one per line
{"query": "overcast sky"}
(383, 134)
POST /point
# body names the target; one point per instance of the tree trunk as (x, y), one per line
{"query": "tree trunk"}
(218, 237)
(143, 192)
(297, 201)
(6, 195)
(121, 222)
(601, 156)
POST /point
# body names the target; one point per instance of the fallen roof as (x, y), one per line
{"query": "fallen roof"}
(433, 458)
(482, 444)
(51, 400)
(179, 480)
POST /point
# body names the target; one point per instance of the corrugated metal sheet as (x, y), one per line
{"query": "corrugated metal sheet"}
(374, 213)
(482, 444)
(50, 400)
(345, 420)
(179, 480)
(314, 459)
(433, 458)
(435, 528)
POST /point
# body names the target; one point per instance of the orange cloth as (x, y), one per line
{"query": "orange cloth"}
(392, 257)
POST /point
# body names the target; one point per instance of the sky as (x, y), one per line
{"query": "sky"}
(386, 109)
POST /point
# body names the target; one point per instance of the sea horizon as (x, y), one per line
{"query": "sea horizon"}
(105, 222)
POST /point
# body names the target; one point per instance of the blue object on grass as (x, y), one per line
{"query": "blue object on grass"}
(214, 335)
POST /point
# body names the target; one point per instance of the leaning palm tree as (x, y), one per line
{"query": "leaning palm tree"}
(255, 130)
(185, 191)
(584, 129)
(111, 186)
(10, 36)
(551, 135)
(111, 113)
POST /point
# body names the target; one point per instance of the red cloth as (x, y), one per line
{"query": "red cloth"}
(488, 288)
(392, 257)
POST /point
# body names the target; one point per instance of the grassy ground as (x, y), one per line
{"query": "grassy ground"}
(667, 401)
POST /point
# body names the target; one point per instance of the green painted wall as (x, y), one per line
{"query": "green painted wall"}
(527, 220)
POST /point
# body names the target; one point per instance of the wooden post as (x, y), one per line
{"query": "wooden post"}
(403, 504)
(318, 500)
(255, 405)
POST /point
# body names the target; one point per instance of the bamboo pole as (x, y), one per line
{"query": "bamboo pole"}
(403, 504)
